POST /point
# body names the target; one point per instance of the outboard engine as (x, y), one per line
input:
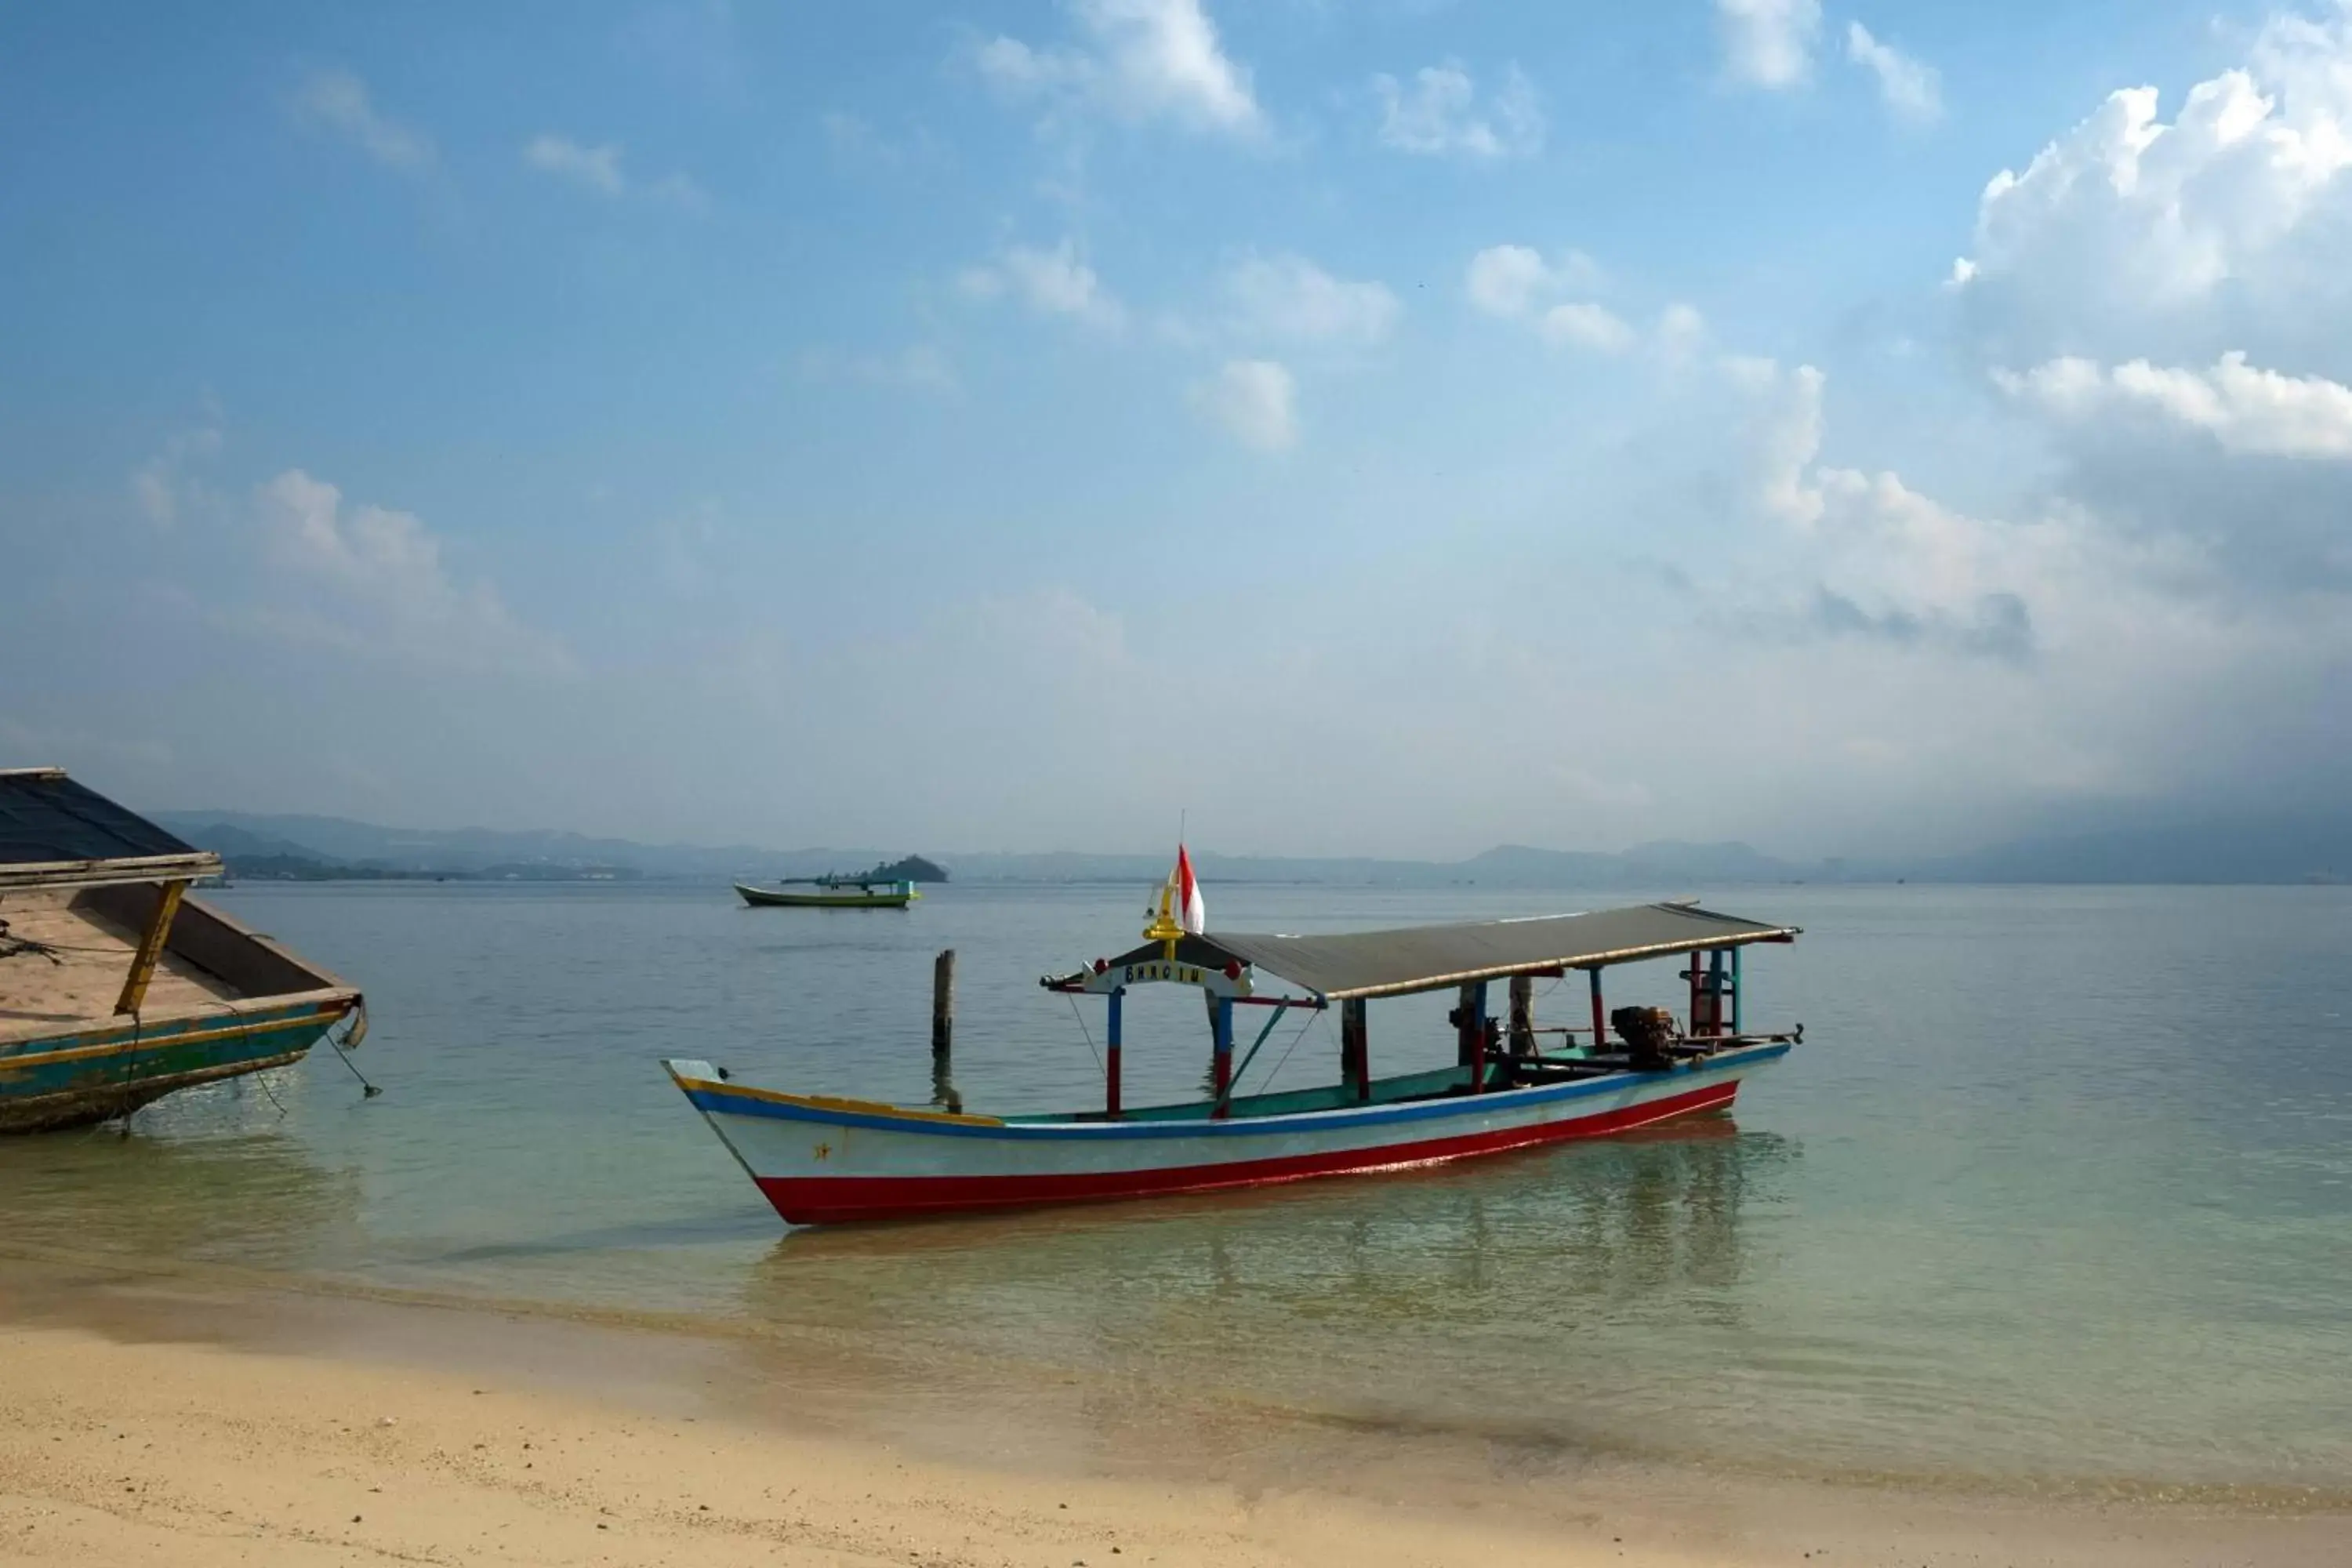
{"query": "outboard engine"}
(1648, 1034)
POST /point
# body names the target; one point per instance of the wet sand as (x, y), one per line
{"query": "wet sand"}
(193, 1420)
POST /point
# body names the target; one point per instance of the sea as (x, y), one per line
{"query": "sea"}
(2056, 1195)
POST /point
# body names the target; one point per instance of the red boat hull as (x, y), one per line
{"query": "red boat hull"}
(825, 1200)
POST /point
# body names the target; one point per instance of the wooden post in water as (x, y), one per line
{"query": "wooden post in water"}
(150, 947)
(943, 1089)
(943, 1003)
(1523, 1014)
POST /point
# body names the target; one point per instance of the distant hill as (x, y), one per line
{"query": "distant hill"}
(252, 855)
(340, 846)
(2272, 850)
(484, 851)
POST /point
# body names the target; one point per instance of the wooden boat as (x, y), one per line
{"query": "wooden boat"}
(831, 893)
(115, 987)
(820, 1159)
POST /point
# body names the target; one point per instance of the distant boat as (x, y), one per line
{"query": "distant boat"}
(820, 1159)
(115, 987)
(831, 893)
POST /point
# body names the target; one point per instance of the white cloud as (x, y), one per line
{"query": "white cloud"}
(1290, 296)
(1439, 113)
(1254, 401)
(1769, 43)
(1055, 282)
(1788, 437)
(1883, 561)
(339, 101)
(1910, 88)
(1142, 60)
(1516, 283)
(1588, 326)
(2245, 409)
(2125, 212)
(593, 168)
(1682, 331)
(1507, 280)
(599, 168)
(375, 583)
(162, 486)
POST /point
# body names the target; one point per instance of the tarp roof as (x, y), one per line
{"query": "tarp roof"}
(56, 833)
(1429, 958)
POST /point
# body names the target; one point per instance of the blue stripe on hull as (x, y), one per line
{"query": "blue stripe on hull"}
(720, 1101)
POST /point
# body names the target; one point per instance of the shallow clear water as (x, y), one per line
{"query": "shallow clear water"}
(2057, 1192)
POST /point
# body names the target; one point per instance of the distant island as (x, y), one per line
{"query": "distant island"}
(913, 869)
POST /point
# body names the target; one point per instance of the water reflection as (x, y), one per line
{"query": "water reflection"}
(244, 1192)
(1418, 1291)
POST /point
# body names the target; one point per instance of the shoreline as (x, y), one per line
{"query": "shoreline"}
(290, 1378)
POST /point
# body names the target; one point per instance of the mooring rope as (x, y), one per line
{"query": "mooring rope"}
(1100, 1071)
(1312, 1019)
(343, 1051)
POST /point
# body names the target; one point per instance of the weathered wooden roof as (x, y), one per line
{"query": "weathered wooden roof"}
(1430, 958)
(54, 833)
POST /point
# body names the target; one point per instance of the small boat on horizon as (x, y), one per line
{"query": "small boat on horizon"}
(116, 988)
(832, 892)
(821, 1158)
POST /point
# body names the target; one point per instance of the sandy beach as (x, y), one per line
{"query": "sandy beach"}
(119, 1445)
(127, 1454)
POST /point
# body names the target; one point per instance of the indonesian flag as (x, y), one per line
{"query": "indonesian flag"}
(1191, 912)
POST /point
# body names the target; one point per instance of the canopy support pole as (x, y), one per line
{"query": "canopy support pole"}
(1599, 1017)
(1221, 1075)
(1470, 1033)
(1110, 1055)
(1739, 1013)
(1523, 1014)
(150, 947)
(1355, 1047)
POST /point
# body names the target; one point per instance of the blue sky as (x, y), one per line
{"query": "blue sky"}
(1382, 428)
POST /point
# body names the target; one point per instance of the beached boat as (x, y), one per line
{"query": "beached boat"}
(821, 1159)
(115, 987)
(831, 893)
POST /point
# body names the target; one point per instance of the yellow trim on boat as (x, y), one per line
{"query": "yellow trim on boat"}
(830, 1102)
(159, 1040)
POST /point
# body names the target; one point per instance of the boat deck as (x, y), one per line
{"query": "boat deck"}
(93, 955)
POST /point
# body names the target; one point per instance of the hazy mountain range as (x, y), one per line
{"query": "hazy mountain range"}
(2268, 850)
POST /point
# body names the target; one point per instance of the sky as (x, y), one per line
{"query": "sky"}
(1393, 427)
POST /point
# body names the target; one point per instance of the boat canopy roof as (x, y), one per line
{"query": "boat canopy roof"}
(54, 833)
(1430, 958)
